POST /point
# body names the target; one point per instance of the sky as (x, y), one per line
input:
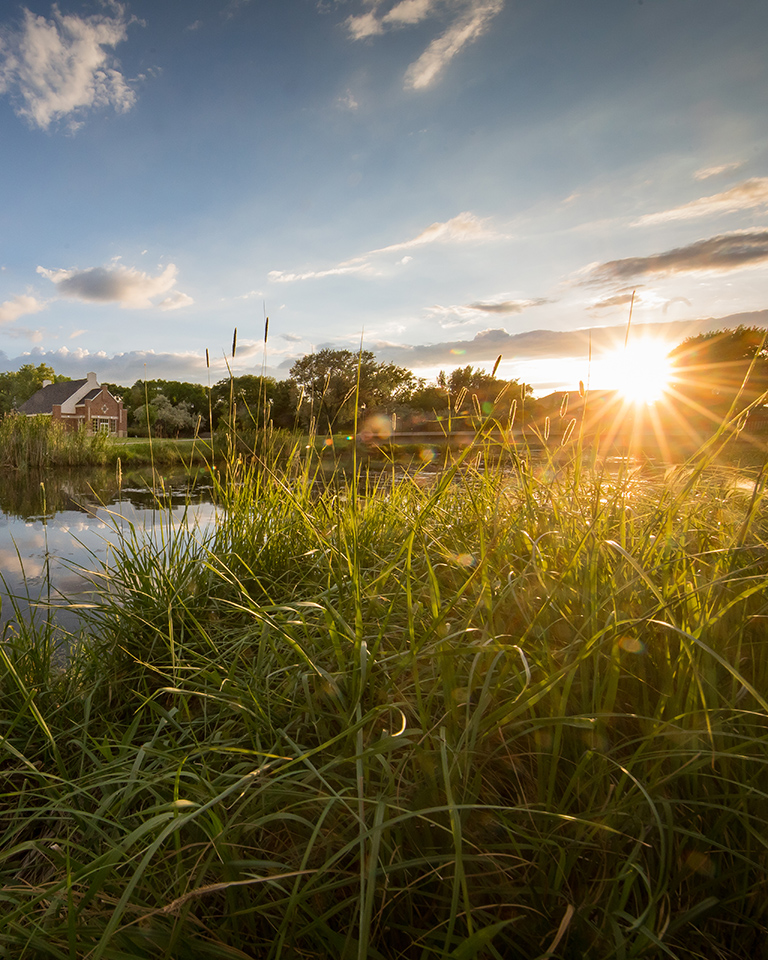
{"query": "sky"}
(441, 181)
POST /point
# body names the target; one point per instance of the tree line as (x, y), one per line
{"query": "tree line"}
(331, 390)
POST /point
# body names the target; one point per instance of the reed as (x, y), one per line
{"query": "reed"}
(513, 709)
(33, 443)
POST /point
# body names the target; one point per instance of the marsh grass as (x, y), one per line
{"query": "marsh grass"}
(513, 709)
(35, 443)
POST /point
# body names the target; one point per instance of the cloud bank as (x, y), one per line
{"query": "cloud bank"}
(118, 284)
(486, 345)
(60, 67)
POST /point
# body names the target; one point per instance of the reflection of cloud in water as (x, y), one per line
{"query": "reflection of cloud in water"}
(76, 543)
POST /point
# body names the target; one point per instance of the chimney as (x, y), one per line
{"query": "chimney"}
(92, 379)
(47, 383)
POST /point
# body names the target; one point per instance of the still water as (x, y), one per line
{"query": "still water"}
(56, 531)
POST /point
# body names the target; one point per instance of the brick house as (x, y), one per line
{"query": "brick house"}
(79, 404)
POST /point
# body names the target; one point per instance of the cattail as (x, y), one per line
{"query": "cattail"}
(266, 329)
(460, 399)
(500, 394)
(207, 360)
(234, 342)
(568, 431)
(301, 400)
(582, 393)
(496, 366)
(512, 413)
(394, 422)
(564, 405)
(476, 405)
(546, 428)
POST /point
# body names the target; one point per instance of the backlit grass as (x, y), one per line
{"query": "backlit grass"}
(509, 709)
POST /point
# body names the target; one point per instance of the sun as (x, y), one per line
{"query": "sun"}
(641, 371)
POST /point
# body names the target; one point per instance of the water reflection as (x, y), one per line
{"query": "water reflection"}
(56, 529)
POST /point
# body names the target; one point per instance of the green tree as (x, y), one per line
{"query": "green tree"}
(333, 381)
(168, 419)
(176, 392)
(257, 400)
(711, 370)
(18, 386)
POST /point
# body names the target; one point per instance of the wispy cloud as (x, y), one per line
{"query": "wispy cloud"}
(118, 284)
(60, 67)
(721, 254)
(706, 172)
(750, 193)
(280, 276)
(467, 28)
(470, 19)
(19, 306)
(465, 227)
(23, 333)
(620, 300)
(457, 315)
(506, 306)
(348, 101)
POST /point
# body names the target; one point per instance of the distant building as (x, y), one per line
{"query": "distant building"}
(79, 404)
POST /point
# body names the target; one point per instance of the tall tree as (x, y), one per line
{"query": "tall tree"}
(333, 381)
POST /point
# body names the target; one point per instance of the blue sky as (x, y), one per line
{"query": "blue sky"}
(448, 180)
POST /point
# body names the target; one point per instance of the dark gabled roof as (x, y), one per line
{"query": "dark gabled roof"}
(90, 395)
(43, 400)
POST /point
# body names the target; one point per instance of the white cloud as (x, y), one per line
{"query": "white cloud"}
(279, 276)
(59, 68)
(348, 102)
(117, 284)
(365, 25)
(18, 307)
(465, 227)
(470, 20)
(177, 299)
(424, 71)
(706, 172)
(750, 193)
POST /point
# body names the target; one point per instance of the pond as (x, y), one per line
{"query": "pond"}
(57, 529)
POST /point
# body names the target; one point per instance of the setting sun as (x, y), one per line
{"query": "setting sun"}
(641, 371)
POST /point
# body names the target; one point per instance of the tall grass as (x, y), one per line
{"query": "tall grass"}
(38, 442)
(513, 709)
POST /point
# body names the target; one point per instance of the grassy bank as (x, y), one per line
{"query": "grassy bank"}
(515, 711)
